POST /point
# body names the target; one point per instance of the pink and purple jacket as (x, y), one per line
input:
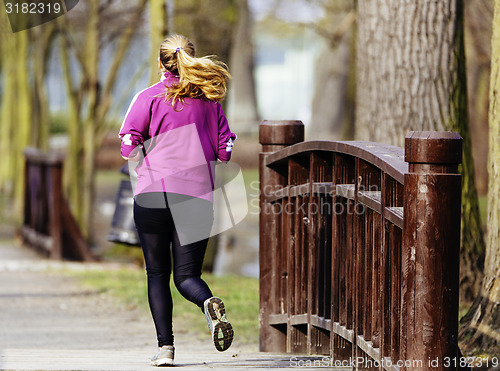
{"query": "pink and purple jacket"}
(178, 148)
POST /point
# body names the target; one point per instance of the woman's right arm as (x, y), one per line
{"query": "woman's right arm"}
(134, 129)
(226, 137)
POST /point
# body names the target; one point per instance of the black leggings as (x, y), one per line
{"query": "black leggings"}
(158, 230)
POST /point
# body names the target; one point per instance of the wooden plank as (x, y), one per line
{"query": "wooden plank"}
(273, 136)
(367, 272)
(320, 185)
(345, 190)
(368, 348)
(319, 272)
(38, 157)
(395, 274)
(298, 319)
(278, 319)
(321, 188)
(432, 240)
(385, 311)
(279, 262)
(138, 359)
(316, 246)
(395, 216)
(371, 199)
(38, 240)
(303, 223)
(27, 198)
(298, 170)
(359, 269)
(343, 331)
(312, 243)
(298, 190)
(436, 284)
(356, 277)
(376, 280)
(409, 268)
(277, 194)
(321, 322)
(389, 159)
(321, 167)
(335, 266)
(270, 338)
(342, 258)
(349, 268)
(38, 210)
(326, 259)
(298, 174)
(445, 148)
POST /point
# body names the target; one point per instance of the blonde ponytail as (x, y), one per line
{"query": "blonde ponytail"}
(199, 77)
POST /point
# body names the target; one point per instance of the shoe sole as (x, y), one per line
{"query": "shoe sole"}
(223, 333)
(163, 362)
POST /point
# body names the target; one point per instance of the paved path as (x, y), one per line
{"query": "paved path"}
(49, 322)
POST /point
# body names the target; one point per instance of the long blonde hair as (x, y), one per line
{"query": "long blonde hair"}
(199, 77)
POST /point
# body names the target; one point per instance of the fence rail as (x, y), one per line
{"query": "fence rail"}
(359, 248)
(48, 224)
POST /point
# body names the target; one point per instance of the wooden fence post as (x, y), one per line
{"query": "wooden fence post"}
(273, 135)
(431, 246)
(48, 222)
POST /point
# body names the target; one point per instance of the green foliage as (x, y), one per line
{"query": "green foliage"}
(58, 122)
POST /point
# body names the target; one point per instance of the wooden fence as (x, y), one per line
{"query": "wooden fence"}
(48, 224)
(359, 248)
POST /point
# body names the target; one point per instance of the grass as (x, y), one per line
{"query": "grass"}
(240, 295)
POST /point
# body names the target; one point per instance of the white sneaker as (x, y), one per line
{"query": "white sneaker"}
(221, 330)
(164, 357)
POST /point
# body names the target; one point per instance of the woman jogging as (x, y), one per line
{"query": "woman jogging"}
(174, 132)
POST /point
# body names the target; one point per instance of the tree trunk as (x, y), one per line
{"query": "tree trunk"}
(23, 124)
(42, 37)
(15, 116)
(406, 68)
(73, 166)
(89, 103)
(481, 330)
(411, 76)
(332, 102)
(478, 20)
(90, 128)
(334, 99)
(7, 108)
(242, 106)
(6, 129)
(158, 33)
